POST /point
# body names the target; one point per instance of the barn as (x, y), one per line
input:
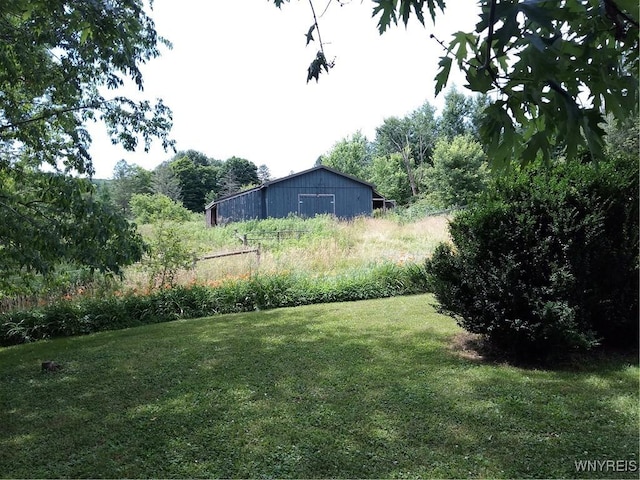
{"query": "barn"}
(319, 190)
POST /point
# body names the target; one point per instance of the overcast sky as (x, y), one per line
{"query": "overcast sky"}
(236, 79)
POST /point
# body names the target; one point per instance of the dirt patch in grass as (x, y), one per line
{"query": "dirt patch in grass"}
(469, 346)
(474, 347)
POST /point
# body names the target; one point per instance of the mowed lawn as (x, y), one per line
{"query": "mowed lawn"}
(353, 390)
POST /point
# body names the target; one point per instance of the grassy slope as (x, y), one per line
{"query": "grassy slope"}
(367, 389)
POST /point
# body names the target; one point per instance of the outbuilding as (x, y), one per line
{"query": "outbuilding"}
(319, 190)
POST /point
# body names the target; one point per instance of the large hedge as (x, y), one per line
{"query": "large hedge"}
(547, 262)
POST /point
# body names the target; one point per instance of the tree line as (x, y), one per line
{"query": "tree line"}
(190, 178)
(421, 156)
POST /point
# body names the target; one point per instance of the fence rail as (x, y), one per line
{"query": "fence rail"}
(278, 236)
(229, 254)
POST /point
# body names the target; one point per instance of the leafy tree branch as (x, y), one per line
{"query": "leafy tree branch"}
(555, 68)
(56, 59)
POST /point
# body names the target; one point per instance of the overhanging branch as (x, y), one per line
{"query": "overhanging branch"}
(47, 114)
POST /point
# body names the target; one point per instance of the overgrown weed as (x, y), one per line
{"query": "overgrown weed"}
(322, 247)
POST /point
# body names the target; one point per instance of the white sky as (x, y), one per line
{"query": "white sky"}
(236, 79)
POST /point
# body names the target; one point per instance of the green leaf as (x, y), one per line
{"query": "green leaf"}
(315, 69)
(432, 8)
(390, 11)
(387, 10)
(479, 80)
(591, 121)
(537, 42)
(460, 39)
(443, 75)
(570, 132)
(405, 10)
(537, 143)
(537, 14)
(505, 23)
(629, 7)
(496, 131)
(502, 61)
(310, 34)
(86, 34)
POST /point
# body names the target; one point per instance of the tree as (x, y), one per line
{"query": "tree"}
(164, 181)
(412, 137)
(196, 157)
(459, 173)
(423, 132)
(452, 121)
(243, 171)
(555, 68)
(228, 185)
(623, 138)
(351, 155)
(392, 137)
(47, 219)
(236, 173)
(458, 114)
(198, 175)
(461, 114)
(390, 178)
(156, 208)
(57, 58)
(58, 61)
(478, 104)
(128, 180)
(264, 175)
(167, 255)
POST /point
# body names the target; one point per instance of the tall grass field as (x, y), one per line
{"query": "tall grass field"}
(290, 262)
(321, 246)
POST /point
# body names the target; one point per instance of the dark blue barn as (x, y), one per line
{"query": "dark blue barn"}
(320, 190)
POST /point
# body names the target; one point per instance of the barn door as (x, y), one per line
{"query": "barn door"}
(310, 205)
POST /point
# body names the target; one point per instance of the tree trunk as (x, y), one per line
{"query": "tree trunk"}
(407, 163)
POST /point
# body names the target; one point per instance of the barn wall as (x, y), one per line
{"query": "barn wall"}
(351, 198)
(316, 191)
(208, 216)
(247, 206)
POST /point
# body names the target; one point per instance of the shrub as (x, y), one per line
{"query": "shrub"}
(459, 172)
(548, 261)
(149, 208)
(166, 255)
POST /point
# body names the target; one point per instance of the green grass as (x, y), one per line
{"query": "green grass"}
(352, 390)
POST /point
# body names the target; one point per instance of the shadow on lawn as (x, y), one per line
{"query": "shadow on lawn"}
(283, 396)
